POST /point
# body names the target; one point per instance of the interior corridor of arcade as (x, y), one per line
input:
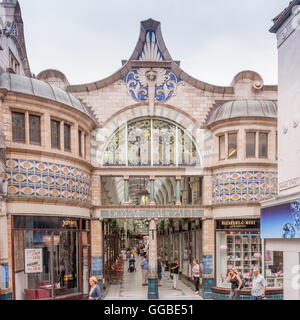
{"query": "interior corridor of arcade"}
(176, 239)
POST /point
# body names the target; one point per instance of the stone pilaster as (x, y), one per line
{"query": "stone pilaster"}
(97, 247)
(5, 281)
(178, 191)
(208, 245)
(152, 278)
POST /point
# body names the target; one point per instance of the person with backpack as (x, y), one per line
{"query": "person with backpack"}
(236, 284)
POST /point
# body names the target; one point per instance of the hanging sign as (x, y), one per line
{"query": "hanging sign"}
(33, 260)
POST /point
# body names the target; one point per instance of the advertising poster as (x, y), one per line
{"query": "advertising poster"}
(33, 260)
(269, 258)
(97, 266)
(207, 261)
(282, 221)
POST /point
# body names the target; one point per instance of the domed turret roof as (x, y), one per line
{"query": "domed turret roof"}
(29, 86)
(243, 109)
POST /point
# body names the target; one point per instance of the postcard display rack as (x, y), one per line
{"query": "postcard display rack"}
(244, 253)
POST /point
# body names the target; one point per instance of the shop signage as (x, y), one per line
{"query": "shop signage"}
(33, 260)
(238, 224)
(289, 184)
(281, 221)
(69, 223)
(151, 213)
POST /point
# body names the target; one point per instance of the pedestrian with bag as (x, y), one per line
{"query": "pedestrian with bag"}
(236, 284)
(95, 292)
(174, 268)
(259, 285)
(196, 275)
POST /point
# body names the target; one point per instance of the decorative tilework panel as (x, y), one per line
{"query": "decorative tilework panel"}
(250, 186)
(29, 178)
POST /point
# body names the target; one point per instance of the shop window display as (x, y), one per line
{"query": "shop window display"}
(241, 250)
(46, 259)
(274, 268)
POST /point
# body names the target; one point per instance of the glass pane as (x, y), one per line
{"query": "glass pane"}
(18, 127)
(263, 145)
(35, 129)
(33, 265)
(241, 250)
(55, 134)
(139, 143)
(139, 191)
(274, 268)
(85, 256)
(66, 263)
(67, 137)
(115, 153)
(191, 190)
(222, 147)
(79, 143)
(112, 191)
(250, 144)
(164, 134)
(187, 154)
(165, 191)
(232, 145)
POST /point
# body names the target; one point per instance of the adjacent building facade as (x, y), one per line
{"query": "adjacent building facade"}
(148, 142)
(280, 217)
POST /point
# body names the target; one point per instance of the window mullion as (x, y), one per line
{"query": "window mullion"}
(126, 144)
(151, 137)
(176, 147)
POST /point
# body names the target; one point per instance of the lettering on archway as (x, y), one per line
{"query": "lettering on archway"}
(151, 213)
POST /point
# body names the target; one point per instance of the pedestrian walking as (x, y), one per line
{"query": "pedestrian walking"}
(174, 268)
(145, 269)
(196, 275)
(159, 270)
(258, 285)
(236, 284)
(95, 292)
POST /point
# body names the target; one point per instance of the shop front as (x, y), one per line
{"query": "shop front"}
(239, 245)
(51, 257)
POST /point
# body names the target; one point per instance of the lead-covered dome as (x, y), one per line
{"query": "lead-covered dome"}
(33, 87)
(242, 109)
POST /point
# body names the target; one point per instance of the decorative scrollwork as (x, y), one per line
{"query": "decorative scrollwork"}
(164, 80)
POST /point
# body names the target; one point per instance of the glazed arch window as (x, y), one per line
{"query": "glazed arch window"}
(18, 127)
(263, 145)
(55, 134)
(151, 142)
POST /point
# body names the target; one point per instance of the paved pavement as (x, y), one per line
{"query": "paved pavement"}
(131, 287)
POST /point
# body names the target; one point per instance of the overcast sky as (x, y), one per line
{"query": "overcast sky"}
(213, 39)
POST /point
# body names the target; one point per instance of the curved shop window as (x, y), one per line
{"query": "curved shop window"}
(238, 245)
(51, 257)
(151, 142)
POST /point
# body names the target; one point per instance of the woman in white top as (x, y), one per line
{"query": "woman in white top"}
(196, 275)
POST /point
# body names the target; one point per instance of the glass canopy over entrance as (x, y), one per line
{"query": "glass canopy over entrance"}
(151, 142)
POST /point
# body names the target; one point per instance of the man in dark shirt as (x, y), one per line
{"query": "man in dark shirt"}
(174, 268)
